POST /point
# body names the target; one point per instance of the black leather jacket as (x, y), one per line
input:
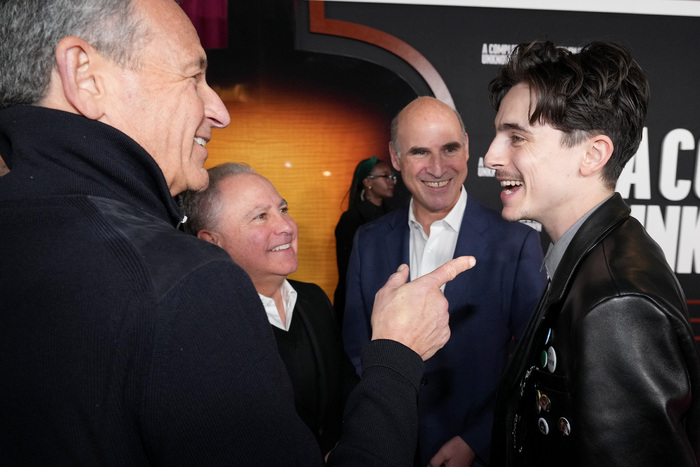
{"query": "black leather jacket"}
(607, 373)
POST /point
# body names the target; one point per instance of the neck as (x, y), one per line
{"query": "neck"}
(574, 212)
(372, 198)
(272, 288)
(426, 218)
(43, 144)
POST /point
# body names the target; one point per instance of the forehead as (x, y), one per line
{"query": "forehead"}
(517, 105)
(429, 122)
(248, 191)
(380, 167)
(172, 39)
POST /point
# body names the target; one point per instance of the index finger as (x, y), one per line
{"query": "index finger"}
(449, 270)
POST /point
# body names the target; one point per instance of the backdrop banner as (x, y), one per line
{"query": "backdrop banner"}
(453, 51)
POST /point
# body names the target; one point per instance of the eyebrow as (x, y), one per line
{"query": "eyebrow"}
(450, 145)
(258, 209)
(416, 150)
(200, 63)
(265, 207)
(512, 126)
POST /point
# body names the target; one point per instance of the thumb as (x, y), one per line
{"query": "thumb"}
(397, 279)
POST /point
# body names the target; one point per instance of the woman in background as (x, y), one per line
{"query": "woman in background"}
(372, 184)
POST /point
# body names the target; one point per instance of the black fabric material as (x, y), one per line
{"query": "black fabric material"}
(126, 342)
(295, 349)
(321, 373)
(626, 384)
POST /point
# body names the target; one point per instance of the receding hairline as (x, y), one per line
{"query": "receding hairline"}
(226, 179)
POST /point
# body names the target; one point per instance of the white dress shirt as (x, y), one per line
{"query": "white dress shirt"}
(427, 253)
(289, 299)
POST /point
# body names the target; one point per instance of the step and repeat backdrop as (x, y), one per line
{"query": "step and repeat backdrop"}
(453, 49)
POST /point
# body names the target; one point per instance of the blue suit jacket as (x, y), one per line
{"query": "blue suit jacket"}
(489, 305)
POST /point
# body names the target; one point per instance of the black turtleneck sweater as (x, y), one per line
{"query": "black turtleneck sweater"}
(126, 342)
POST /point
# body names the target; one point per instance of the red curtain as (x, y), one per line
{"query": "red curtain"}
(210, 18)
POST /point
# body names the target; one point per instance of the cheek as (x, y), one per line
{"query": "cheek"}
(242, 244)
(410, 172)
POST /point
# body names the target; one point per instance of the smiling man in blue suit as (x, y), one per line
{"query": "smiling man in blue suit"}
(489, 305)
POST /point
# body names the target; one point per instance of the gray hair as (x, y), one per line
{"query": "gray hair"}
(30, 30)
(202, 208)
(395, 130)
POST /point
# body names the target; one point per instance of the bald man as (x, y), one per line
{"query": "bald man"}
(489, 306)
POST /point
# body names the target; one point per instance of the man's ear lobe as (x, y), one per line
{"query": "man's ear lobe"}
(209, 236)
(598, 154)
(79, 69)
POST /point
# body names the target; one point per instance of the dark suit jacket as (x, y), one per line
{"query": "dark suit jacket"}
(356, 216)
(336, 375)
(489, 304)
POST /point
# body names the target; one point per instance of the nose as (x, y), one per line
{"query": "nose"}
(286, 225)
(435, 165)
(214, 109)
(494, 156)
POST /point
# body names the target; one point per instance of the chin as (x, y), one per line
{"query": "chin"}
(199, 183)
(511, 215)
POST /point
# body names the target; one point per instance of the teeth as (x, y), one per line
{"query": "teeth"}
(282, 247)
(201, 141)
(437, 184)
(511, 183)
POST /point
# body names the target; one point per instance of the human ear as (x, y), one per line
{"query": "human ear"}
(466, 145)
(209, 236)
(79, 67)
(395, 159)
(598, 152)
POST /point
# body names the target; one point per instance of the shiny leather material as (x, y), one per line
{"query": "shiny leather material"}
(625, 390)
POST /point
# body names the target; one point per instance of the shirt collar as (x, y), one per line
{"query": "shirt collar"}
(452, 219)
(556, 251)
(289, 299)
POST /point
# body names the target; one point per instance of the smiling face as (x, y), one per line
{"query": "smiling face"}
(432, 157)
(539, 176)
(255, 228)
(165, 104)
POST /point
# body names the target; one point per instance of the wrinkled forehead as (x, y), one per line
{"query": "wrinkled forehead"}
(248, 189)
(169, 28)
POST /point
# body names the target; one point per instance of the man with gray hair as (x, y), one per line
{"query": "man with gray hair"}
(242, 212)
(122, 340)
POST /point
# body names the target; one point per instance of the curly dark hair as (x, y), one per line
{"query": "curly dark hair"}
(599, 90)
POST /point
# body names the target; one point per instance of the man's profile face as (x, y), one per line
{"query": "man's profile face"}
(537, 172)
(166, 104)
(256, 229)
(434, 156)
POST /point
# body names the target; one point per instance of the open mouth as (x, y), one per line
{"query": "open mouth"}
(437, 184)
(508, 185)
(286, 246)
